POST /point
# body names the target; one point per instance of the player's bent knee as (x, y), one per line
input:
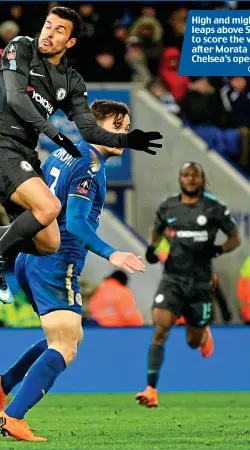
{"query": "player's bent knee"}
(62, 329)
(52, 209)
(57, 206)
(49, 247)
(48, 240)
(53, 247)
(70, 355)
(48, 211)
(48, 250)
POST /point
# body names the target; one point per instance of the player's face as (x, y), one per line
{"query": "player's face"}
(118, 124)
(191, 181)
(55, 36)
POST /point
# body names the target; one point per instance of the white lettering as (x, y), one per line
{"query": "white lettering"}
(223, 49)
(197, 236)
(63, 156)
(43, 101)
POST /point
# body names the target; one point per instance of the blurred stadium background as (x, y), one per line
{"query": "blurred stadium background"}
(129, 51)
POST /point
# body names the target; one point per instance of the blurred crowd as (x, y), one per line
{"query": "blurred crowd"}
(119, 42)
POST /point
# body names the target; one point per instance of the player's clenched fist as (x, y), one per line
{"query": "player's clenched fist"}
(127, 261)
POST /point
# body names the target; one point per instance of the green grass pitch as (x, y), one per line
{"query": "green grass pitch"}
(191, 421)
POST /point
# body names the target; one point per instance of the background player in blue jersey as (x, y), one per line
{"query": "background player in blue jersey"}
(51, 283)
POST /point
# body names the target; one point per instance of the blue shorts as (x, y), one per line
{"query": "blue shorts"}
(49, 283)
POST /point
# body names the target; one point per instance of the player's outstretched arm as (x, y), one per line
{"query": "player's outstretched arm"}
(136, 139)
(78, 210)
(79, 111)
(127, 261)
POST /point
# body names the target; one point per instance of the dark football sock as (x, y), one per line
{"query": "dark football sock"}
(27, 246)
(37, 382)
(155, 359)
(16, 373)
(23, 228)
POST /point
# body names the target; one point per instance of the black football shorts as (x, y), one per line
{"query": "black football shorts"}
(18, 163)
(184, 296)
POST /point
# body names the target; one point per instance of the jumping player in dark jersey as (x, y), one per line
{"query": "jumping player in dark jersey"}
(35, 82)
(51, 282)
(190, 222)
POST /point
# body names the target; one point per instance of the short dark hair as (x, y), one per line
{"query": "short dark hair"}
(71, 15)
(104, 109)
(198, 167)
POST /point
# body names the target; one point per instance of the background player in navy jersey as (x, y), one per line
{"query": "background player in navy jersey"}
(50, 282)
(190, 222)
(35, 82)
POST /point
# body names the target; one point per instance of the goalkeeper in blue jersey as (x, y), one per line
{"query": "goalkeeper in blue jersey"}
(51, 282)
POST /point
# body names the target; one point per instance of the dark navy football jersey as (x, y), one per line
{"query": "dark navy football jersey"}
(191, 231)
(49, 86)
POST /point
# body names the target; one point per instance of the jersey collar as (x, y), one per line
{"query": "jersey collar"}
(98, 154)
(85, 146)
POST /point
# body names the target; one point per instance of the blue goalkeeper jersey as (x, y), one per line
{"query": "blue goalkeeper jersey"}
(84, 178)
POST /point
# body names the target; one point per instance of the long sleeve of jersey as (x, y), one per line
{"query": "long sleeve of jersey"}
(224, 219)
(78, 110)
(92, 132)
(78, 209)
(15, 78)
